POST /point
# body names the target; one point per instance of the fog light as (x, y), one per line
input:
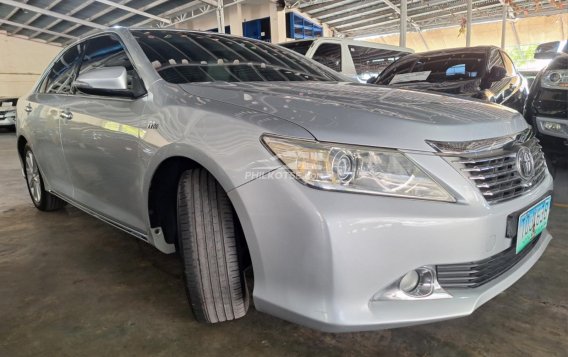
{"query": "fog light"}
(553, 127)
(419, 282)
(409, 282)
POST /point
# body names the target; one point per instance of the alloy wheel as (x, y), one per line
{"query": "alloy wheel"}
(33, 177)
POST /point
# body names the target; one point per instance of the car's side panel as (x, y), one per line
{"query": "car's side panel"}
(100, 144)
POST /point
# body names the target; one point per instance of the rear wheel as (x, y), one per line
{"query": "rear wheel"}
(209, 249)
(43, 200)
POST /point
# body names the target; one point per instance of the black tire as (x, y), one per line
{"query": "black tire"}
(43, 200)
(209, 249)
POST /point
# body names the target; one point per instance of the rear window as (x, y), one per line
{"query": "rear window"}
(189, 57)
(435, 68)
(300, 47)
(370, 62)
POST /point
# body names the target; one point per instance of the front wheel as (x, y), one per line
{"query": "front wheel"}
(43, 200)
(209, 249)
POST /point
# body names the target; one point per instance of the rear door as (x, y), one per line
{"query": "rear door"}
(100, 137)
(42, 120)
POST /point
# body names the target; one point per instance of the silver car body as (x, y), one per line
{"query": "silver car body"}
(7, 112)
(319, 257)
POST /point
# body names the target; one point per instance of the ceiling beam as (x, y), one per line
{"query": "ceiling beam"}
(51, 13)
(171, 12)
(56, 21)
(348, 10)
(122, 18)
(414, 16)
(33, 28)
(36, 16)
(13, 12)
(133, 10)
(302, 4)
(316, 9)
(203, 11)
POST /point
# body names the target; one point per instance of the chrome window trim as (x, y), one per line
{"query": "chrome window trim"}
(82, 41)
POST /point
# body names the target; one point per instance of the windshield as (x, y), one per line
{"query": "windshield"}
(434, 69)
(190, 57)
(301, 47)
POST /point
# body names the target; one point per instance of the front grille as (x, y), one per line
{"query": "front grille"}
(474, 274)
(497, 176)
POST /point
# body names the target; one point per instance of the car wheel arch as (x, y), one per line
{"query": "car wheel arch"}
(22, 141)
(161, 192)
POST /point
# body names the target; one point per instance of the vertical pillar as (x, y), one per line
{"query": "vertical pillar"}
(504, 26)
(468, 25)
(277, 24)
(236, 19)
(403, 22)
(220, 16)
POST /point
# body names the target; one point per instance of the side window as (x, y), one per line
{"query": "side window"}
(509, 66)
(107, 51)
(62, 73)
(329, 54)
(370, 62)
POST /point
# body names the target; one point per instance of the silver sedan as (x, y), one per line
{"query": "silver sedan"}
(357, 207)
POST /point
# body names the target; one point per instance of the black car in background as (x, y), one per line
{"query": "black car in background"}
(547, 105)
(484, 72)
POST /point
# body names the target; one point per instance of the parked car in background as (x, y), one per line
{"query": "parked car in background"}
(8, 112)
(359, 60)
(484, 72)
(358, 207)
(547, 105)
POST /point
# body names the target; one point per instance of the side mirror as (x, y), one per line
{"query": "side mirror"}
(548, 50)
(497, 73)
(104, 81)
(372, 80)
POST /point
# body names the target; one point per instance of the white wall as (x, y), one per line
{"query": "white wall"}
(21, 63)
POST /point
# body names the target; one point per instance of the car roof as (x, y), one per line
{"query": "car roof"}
(451, 51)
(353, 42)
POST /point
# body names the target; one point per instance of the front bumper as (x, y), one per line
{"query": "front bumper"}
(319, 257)
(8, 118)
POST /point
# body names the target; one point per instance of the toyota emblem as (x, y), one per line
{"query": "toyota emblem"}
(525, 163)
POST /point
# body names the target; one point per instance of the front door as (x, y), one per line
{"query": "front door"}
(100, 136)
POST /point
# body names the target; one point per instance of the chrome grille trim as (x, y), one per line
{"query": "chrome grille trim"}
(474, 274)
(494, 173)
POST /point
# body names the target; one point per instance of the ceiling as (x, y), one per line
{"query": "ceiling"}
(63, 21)
(375, 17)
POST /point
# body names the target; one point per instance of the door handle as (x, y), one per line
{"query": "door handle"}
(66, 115)
(28, 108)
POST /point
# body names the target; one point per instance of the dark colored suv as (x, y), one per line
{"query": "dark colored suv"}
(484, 72)
(547, 105)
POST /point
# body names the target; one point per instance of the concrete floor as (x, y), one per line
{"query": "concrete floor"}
(72, 285)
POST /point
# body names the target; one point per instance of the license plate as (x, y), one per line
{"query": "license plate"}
(532, 223)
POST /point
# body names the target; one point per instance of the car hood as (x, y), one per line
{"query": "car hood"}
(361, 114)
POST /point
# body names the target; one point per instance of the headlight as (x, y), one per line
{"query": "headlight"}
(555, 79)
(355, 169)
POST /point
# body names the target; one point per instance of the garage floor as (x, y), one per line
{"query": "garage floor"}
(72, 285)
